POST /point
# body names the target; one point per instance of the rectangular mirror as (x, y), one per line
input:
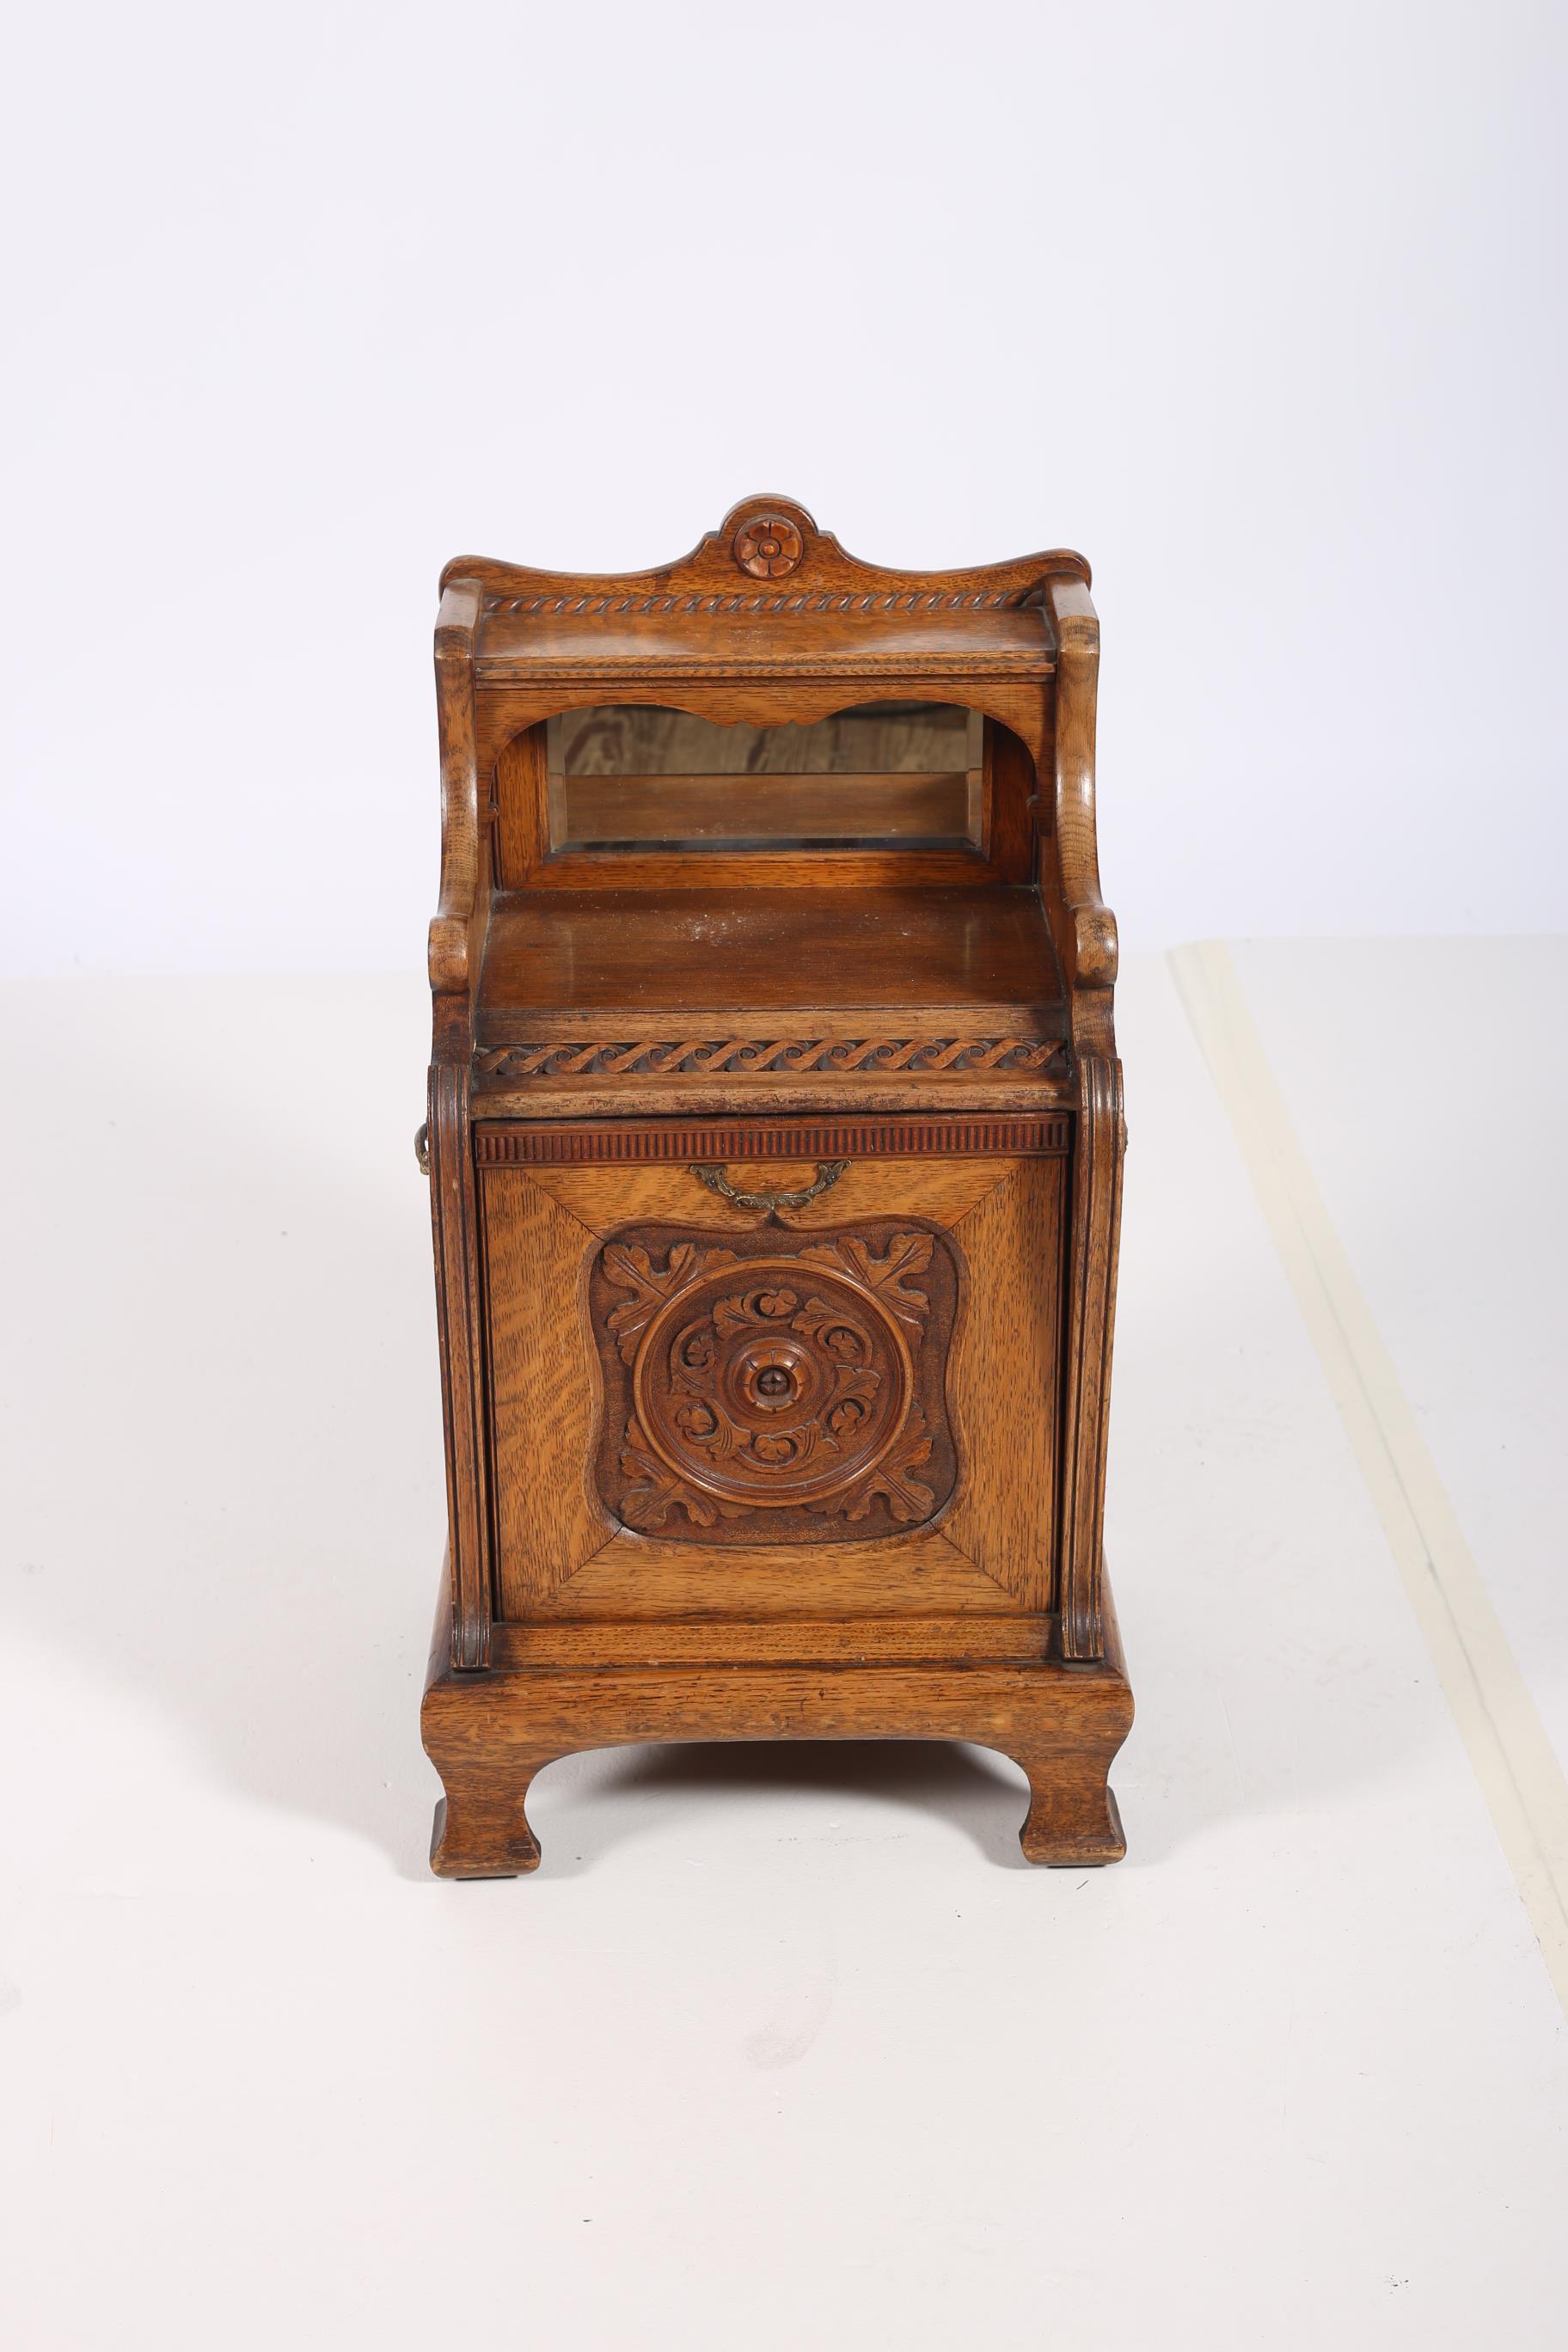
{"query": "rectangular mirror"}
(635, 776)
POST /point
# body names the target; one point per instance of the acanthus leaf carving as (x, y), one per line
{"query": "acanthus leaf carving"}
(657, 1491)
(631, 1268)
(908, 1253)
(907, 1498)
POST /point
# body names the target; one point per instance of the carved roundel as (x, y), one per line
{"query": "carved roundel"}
(783, 1378)
(768, 546)
(770, 1391)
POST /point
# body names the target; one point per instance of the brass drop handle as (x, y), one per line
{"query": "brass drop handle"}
(710, 1173)
(422, 1147)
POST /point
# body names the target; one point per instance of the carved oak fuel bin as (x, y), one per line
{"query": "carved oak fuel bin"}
(775, 1148)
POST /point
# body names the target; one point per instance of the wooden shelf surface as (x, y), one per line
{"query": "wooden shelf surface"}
(879, 637)
(563, 963)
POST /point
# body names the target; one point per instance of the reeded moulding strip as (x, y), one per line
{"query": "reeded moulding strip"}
(498, 1144)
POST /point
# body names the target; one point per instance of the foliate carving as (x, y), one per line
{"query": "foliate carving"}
(768, 546)
(778, 1386)
(662, 1058)
(907, 1254)
(631, 1268)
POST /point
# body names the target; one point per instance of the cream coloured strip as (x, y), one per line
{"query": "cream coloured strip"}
(1521, 1776)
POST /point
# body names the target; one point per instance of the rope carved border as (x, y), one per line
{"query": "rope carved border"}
(897, 600)
(660, 1058)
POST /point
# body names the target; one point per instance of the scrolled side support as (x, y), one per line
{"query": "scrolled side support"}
(453, 947)
(453, 1215)
(1098, 1150)
(1084, 925)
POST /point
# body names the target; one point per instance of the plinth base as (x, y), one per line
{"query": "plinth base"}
(489, 1733)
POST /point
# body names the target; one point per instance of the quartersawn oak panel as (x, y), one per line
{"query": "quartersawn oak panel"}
(558, 1555)
(1002, 1380)
(919, 1574)
(543, 1401)
(990, 1550)
(940, 1190)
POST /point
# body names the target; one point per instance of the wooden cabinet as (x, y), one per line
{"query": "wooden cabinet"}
(775, 1148)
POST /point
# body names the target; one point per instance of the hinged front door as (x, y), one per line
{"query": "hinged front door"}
(845, 1404)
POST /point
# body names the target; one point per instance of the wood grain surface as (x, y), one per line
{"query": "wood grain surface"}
(1003, 1382)
(488, 1735)
(603, 1198)
(802, 1640)
(711, 614)
(1091, 1315)
(560, 1548)
(544, 1393)
(460, 1309)
(945, 1094)
(1022, 702)
(933, 956)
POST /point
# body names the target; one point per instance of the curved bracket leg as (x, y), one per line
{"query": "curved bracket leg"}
(1072, 1821)
(481, 1828)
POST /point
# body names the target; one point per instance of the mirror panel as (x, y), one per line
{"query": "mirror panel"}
(641, 777)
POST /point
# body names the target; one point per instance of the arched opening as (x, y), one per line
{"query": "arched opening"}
(620, 794)
(642, 776)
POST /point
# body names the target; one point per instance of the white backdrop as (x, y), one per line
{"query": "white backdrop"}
(1260, 307)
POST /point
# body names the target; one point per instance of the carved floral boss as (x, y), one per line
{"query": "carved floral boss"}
(775, 1386)
(768, 546)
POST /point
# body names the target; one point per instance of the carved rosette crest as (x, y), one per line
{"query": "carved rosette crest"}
(777, 1386)
(768, 546)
